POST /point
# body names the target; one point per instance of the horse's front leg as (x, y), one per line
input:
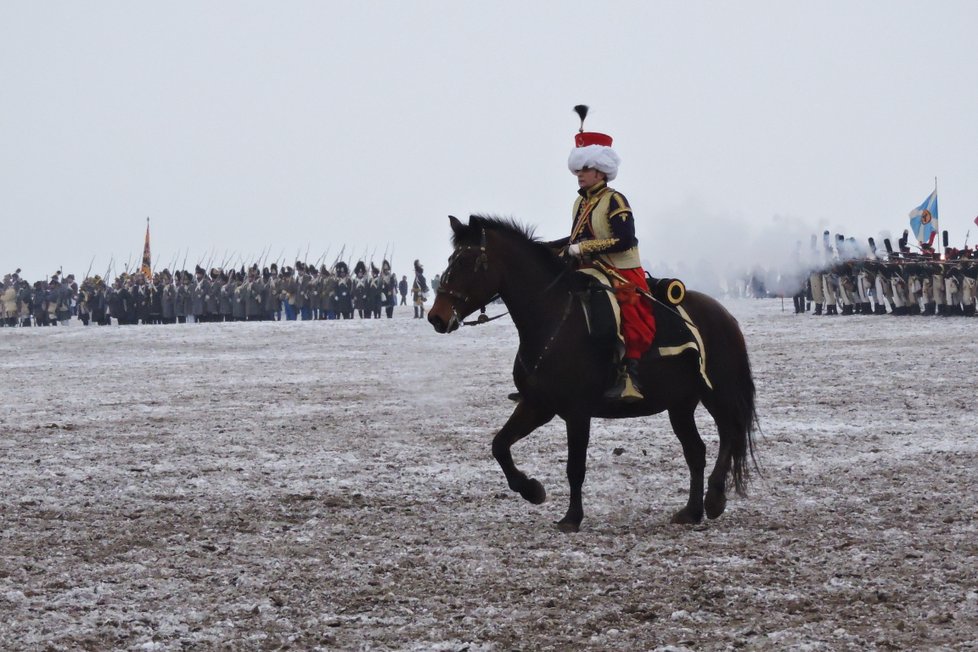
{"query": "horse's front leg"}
(578, 436)
(524, 420)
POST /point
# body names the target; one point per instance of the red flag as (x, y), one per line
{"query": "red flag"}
(146, 268)
(976, 221)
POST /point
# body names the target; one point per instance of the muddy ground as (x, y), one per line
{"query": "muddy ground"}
(329, 485)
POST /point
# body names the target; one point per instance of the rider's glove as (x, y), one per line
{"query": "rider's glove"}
(574, 250)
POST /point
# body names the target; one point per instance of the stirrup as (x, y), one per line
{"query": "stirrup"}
(624, 390)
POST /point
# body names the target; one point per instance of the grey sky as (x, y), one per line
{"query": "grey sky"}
(237, 126)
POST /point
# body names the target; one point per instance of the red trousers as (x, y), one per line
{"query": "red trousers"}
(637, 321)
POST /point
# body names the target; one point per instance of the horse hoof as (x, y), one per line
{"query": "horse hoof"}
(686, 517)
(715, 505)
(534, 492)
(568, 526)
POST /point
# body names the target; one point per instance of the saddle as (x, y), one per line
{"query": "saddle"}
(675, 331)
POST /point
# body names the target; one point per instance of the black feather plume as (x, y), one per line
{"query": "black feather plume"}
(581, 110)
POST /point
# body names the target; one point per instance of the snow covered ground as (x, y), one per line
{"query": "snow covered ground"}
(330, 485)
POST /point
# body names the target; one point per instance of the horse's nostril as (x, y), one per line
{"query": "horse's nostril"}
(437, 323)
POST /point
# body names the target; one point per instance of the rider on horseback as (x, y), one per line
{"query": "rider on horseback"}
(603, 236)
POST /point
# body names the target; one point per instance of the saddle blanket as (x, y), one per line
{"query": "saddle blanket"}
(675, 332)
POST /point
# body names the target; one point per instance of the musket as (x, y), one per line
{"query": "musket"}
(306, 259)
(321, 258)
(126, 270)
(186, 253)
(89, 268)
(108, 268)
(966, 236)
(342, 249)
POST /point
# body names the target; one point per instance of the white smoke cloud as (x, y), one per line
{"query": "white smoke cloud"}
(718, 253)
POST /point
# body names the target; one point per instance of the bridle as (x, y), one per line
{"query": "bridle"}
(481, 264)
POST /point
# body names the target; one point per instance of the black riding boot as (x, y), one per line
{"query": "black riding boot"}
(818, 309)
(626, 388)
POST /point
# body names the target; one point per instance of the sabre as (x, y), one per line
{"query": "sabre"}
(612, 272)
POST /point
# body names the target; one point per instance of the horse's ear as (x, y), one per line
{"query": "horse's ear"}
(457, 226)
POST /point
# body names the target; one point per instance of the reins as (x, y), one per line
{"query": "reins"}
(482, 319)
(482, 262)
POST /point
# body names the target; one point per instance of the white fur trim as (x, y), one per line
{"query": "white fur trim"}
(598, 157)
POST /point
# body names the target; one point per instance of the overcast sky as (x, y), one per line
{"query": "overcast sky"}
(295, 126)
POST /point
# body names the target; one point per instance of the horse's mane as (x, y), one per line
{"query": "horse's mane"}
(513, 231)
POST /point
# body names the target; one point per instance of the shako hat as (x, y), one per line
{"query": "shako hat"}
(592, 150)
(360, 267)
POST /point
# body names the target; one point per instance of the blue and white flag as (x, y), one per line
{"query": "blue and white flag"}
(923, 220)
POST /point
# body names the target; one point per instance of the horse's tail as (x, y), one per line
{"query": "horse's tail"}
(734, 393)
(745, 423)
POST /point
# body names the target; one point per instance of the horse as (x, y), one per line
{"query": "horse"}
(560, 371)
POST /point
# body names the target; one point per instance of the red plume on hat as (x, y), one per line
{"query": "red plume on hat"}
(592, 149)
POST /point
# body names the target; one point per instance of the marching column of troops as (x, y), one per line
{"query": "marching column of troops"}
(852, 281)
(303, 292)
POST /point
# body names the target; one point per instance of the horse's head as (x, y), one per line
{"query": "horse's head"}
(470, 281)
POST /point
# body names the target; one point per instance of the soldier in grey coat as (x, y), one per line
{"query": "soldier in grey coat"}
(182, 300)
(241, 289)
(212, 297)
(198, 292)
(169, 298)
(227, 295)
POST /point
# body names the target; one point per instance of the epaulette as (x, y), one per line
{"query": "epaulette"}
(618, 204)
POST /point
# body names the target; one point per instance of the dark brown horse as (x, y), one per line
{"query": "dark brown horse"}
(561, 371)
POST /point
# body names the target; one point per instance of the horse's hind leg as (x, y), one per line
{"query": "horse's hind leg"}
(716, 488)
(524, 420)
(684, 425)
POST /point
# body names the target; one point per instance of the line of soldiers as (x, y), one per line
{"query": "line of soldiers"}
(271, 293)
(897, 282)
